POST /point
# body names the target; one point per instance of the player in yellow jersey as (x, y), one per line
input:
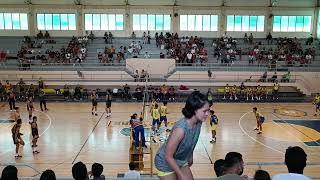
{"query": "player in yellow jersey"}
(163, 115)
(155, 120)
(316, 102)
(249, 93)
(259, 93)
(153, 103)
(260, 119)
(234, 92)
(226, 91)
(275, 92)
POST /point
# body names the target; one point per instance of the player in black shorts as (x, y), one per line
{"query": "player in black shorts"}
(94, 100)
(108, 102)
(30, 108)
(16, 136)
(35, 135)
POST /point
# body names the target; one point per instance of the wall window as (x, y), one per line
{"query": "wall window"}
(14, 21)
(198, 22)
(245, 23)
(151, 22)
(103, 21)
(292, 23)
(56, 21)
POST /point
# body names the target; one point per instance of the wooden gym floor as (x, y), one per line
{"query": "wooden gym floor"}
(69, 133)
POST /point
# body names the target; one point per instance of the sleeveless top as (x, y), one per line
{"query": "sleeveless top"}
(184, 150)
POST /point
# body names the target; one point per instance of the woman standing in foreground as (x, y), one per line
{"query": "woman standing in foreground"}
(175, 157)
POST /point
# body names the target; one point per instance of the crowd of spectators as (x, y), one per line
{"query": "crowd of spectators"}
(231, 167)
(33, 50)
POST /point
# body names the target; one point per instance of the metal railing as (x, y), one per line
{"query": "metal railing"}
(177, 67)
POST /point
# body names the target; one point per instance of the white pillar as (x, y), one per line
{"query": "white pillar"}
(32, 25)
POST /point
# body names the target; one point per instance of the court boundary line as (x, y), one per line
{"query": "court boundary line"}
(255, 140)
(87, 138)
(28, 142)
(288, 132)
(285, 122)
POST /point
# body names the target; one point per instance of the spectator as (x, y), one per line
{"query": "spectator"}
(110, 37)
(96, 172)
(146, 55)
(133, 35)
(9, 173)
(91, 36)
(136, 75)
(219, 167)
(46, 35)
(296, 161)
(261, 175)
(269, 38)
(132, 173)
(233, 163)
(48, 175)
(40, 35)
(79, 171)
(286, 77)
(161, 55)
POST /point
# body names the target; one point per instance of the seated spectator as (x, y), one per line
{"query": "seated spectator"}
(96, 172)
(136, 75)
(296, 161)
(309, 40)
(133, 35)
(286, 77)
(219, 167)
(40, 35)
(230, 177)
(48, 175)
(162, 55)
(233, 163)
(132, 173)
(91, 36)
(79, 171)
(146, 55)
(9, 172)
(46, 35)
(273, 78)
(264, 77)
(261, 175)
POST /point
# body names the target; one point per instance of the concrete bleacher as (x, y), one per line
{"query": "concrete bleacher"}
(13, 44)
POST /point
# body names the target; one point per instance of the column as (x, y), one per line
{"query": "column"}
(80, 20)
(32, 25)
(127, 21)
(222, 21)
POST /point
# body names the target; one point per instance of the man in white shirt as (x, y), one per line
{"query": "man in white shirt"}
(296, 161)
(132, 173)
(146, 55)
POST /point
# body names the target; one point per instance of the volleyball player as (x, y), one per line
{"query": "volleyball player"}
(30, 108)
(316, 102)
(213, 123)
(163, 115)
(155, 119)
(12, 100)
(16, 136)
(94, 100)
(260, 119)
(108, 102)
(35, 135)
